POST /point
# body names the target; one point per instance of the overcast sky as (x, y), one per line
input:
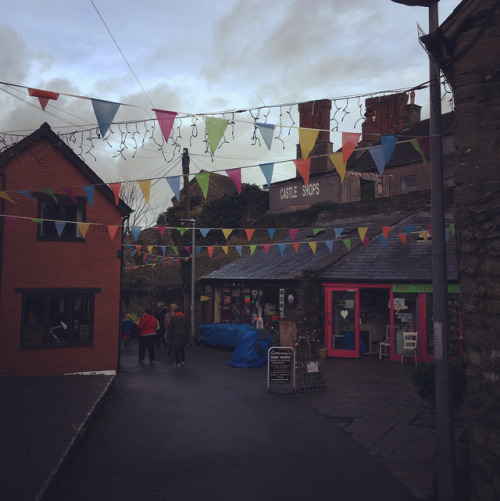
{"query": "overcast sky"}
(197, 56)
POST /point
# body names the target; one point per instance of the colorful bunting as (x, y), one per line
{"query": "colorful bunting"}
(282, 248)
(377, 154)
(329, 244)
(60, 227)
(349, 142)
(313, 246)
(89, 192)
(166, 121)
(252, 249)
(271, 232)
(267, 248)
(267, 170)
(203, 178)
(403, 237)
(43, 96)
(304, 168)
(235, 176)
(145, 186)
(71, 193)
(26, 194)
(4, 194)
(307, 140)
(226, 232)
(105, 112)
(388, 142)
(204, 231)
(112, 228)
(293, 232)
(215, 130)
(386, 230)
(239, 249)
(249, 233)
(11, 222)
(366, 242)
(266, 131)
(382, 240)
(225, 248)
(175, 185)
(339, 164)
(338, 231)
(182, 230)
(210, 250)
(362, 233)
(115, 188)
(50, 192)
(347, 243)
(136, 231)
(83, 228)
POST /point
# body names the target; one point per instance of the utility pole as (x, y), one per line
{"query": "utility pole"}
(185, 173)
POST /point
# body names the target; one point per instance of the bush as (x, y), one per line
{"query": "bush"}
(423, 378)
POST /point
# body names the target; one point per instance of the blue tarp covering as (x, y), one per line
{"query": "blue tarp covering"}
(223, 335)
(252, 349)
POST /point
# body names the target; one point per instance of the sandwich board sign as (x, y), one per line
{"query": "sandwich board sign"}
(281, 370)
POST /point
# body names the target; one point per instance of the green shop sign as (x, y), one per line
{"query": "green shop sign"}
(422, 288)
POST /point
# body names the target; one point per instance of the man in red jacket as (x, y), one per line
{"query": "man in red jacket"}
(147, 336)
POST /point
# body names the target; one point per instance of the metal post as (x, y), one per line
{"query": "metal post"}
(442, 364)
(193, 254)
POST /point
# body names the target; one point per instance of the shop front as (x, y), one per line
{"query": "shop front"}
(359, 317)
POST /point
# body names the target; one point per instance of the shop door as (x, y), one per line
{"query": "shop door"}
(342, 322)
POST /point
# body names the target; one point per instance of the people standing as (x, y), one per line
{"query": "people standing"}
(161, 311)
(127, 324)
(147, 326)
(168, 317)
(178, 336)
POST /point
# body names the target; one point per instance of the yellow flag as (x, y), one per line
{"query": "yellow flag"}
(145, 186)
(338, 162)
(83, 227)
(150, 249)
(307, 140)
(313, 246)
(3, 194)
(227, 232)
(225, 248)
(362, 233)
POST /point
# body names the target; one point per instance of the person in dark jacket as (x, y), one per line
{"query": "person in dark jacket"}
(147, 326)
(161, 311)
(178, 336)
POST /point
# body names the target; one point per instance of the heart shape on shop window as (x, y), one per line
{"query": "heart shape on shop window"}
(344, 314)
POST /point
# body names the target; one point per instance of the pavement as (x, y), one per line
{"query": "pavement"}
(43, 419)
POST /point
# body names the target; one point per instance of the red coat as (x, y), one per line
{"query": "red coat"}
(147, 325)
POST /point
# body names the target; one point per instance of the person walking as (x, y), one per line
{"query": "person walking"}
(147, 326)
(127, 324)
(178, 336)
(168, 316)
(161, 311)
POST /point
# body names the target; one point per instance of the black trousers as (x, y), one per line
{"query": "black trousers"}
(149, 342)
(180, 354)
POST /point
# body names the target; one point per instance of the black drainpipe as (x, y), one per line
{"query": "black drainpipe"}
(120, 257)
(2, 209)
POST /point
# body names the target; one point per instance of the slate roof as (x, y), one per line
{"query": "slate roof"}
(395, 262)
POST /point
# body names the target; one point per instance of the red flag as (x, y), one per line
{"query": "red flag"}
(43, 96)
(304, 168)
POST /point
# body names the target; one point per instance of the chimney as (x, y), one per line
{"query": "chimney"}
(412, 112)
(384, 115)
(316, 115)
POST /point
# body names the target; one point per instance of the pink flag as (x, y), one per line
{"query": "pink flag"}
(235, 176)
(293, 233)
(349, 142)
(166, 120)
(70, 192)
(11, 222)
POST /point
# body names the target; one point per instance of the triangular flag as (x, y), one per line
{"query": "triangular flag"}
(198, 249)
(166, 120)
(204, 231)
(249, 234)
(267, 170)
(235, 176)
(366, 242)
(304, 168)
(266, 131)
(362, 233)
(175, 185)
(175, 249)
(347, 243)
(447, 234)
(382, 240)
(182, 230)
(43, 96)
(161, 229)
(187, 249)
(339, 164)
(104, 111)
(252, 249)
(313, 246)
(203, 179)
(71, 193)
(403, 237)
(452, 229)
(36, 220)
(271, 232)
(329, 244)
(136, 231)
(89, 192)
(60, 227)
(3, 194)
(11, 222)
(388, 142)
(138, 248)
(267, 248)
(27, 194)
(115, 188)
(414, 143)
(226, 232)
(239, 248)
(50, 193)
(338, 231)
(282, 248)
(215, 130)
(293, 232)
(316, 231)
(112, 231)
(307, 140)
(210, 250)
(424, 234)
(349, 142)
(386, 230)
(408, 230)
(378, 157)
(296, 246)
(225, 248)
(145, 186)
(429, 229)
(163, 248)
(83, 227)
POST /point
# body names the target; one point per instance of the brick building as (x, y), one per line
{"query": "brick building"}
(60, 271)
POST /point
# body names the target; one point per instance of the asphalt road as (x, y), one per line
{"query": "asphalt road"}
(210, 432)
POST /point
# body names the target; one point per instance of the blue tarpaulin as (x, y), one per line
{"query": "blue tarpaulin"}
(223, 335)
(252, 349)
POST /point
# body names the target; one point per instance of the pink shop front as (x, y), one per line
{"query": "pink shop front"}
(359, 317)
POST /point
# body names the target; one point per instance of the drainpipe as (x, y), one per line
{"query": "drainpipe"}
(120, 254)
(2, 208)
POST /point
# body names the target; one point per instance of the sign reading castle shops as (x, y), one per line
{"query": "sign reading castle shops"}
(422, 288)
(281, 370)
(296, 192)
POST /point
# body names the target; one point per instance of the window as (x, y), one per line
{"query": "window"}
(60, 217)
(408, 184)
(57, 317)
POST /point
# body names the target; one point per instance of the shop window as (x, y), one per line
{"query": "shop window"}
(406, 315)
(367, 189)
(453, 325)
(63, 213)
(408, 184)
(57, 317)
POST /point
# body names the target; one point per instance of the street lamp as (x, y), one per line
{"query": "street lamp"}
(442, 365)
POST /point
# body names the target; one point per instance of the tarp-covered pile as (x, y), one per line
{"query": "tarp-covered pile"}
(252, 349)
